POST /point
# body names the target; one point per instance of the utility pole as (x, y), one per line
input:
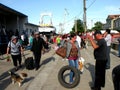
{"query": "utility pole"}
(84, 15)
(75, 25)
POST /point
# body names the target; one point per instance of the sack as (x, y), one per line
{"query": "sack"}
(61, 51)
(29, 63)
(81, 64)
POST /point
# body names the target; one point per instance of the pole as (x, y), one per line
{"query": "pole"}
(75, 25)
(84, 15)
(65, 14)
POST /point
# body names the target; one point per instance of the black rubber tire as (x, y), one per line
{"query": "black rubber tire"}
(62, 80)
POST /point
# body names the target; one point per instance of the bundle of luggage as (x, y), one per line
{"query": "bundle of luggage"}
(29, 63)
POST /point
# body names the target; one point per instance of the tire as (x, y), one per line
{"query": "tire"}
(62, 80)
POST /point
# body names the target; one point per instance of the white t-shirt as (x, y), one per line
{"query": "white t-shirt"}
(14, 48)
(78, 39)
(108, 39)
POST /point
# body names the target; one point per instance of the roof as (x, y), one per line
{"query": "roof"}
(31, 24)
(113, 16)
(9, 11)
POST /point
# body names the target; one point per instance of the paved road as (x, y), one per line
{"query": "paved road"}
(46, 77)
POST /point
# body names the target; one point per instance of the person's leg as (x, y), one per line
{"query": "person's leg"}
(108, 57)
(119, 50)
(37, 61)
(76, 63)
(97, 75)
(103, 72)
(19, 59)
(14, 58)
(71, 63)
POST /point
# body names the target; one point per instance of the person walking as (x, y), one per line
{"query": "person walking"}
(73, 53)
(36, 48)
(58, 40)
(15, 49)
(108, 39)
(100, 54)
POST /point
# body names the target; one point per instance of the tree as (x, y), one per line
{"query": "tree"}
(80, 27)
(98, 26)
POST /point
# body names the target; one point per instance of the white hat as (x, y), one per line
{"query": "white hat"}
(13, 37)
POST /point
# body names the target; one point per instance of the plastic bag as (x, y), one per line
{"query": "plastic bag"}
(81, 64)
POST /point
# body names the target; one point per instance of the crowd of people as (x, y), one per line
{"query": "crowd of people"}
(74, 43)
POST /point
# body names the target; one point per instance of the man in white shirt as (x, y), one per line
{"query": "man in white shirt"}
(108, 39)
(78, 39)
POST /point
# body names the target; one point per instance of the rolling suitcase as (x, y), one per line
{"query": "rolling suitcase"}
(29, 63)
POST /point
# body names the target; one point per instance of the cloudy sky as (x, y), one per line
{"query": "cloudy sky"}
(65, 10)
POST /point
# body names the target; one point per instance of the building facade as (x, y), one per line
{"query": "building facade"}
(112, 22)
(13, 22)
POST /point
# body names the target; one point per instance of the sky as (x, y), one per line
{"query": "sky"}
(65, 11)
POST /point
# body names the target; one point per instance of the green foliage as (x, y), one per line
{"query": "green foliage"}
(98, 26)
(80, 27)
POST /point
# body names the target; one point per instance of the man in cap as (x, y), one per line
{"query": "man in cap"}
(36, 48)
(100, 54)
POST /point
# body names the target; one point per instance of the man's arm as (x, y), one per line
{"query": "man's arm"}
(94, 45)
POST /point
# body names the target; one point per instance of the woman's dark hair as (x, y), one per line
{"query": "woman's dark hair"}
(64, 36)
(108, 31)
(72, 35)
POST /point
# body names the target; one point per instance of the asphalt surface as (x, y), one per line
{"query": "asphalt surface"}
(46, 78)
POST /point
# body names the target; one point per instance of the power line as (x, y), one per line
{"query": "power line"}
(79, 13)
(91, 4)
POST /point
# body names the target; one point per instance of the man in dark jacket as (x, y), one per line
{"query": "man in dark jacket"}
(37, 46)
(100, 54)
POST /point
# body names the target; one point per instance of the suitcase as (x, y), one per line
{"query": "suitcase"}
(29, 63)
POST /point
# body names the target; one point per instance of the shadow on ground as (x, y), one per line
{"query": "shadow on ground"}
(90, 67)
(47, 60)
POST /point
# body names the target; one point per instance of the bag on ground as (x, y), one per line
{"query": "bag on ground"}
(29, 63)
(81, 64)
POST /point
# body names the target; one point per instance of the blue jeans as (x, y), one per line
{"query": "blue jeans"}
(119, 49)
(108, 57)
(73, 63)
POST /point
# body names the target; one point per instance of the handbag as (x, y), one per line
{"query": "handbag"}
(61, 51)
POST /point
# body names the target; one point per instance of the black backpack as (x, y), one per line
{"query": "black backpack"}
(29, 63)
